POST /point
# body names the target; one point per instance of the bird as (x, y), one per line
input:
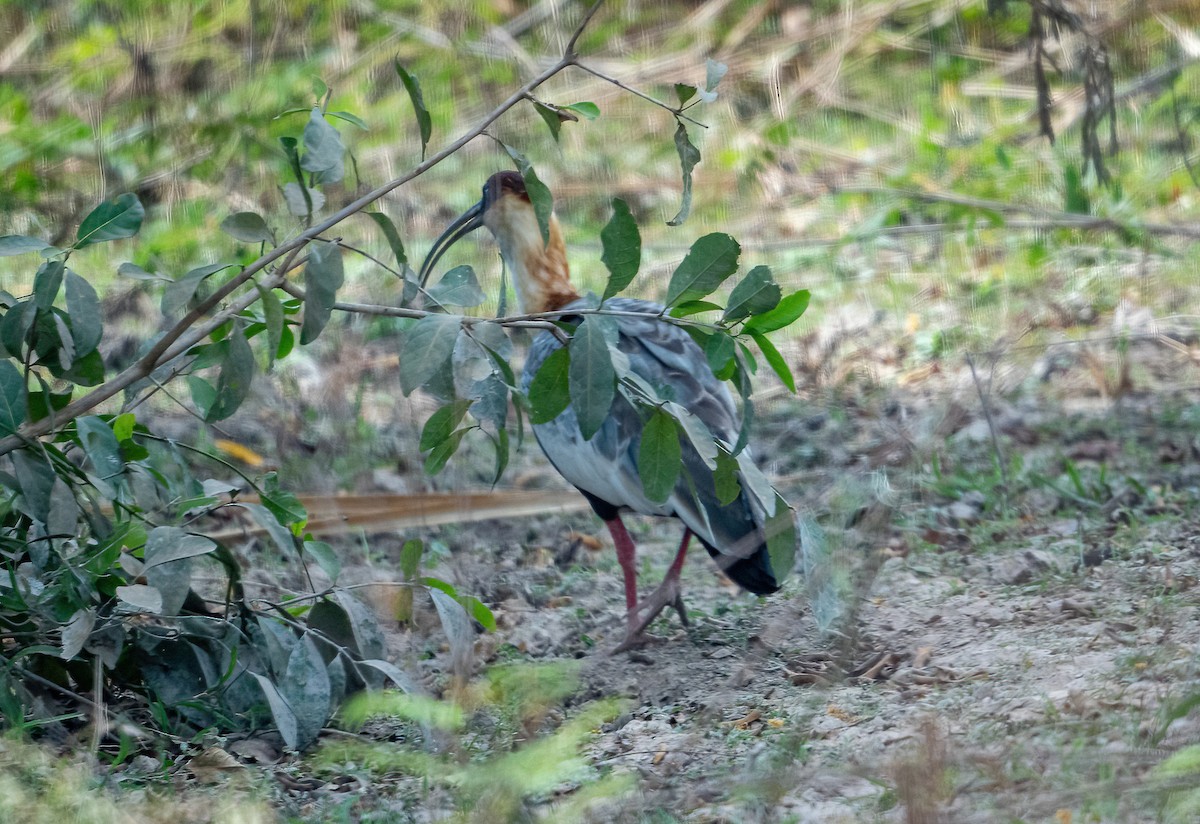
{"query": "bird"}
(604, 468)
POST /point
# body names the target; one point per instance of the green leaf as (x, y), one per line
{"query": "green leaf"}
(549, 391)
(15, 326)
(622, 248)
(46, 283)
(83, 308)
(458, 287)
(324, 154)
(427, 349)
(101, 446)
(714, 71)
(689, 156)
(500, 442)
(166, 544)
(436, 460)
(306, 687)
(694, 307)
(323, 276)
(442, 423)
(424, 122)
(775, 360)
(20, 244)
(781, 538)
(274, 322)
(35, 477)
(789, 309)
(393, 237)
(660, 457)
(718, 351)
(479, 611)
(123, 425)
(410, 558)
(591, 375)
(247, 227)
(589, 110)
(281, 712)
(325, 557)
(550, 118)
(87, 370)
(707, 264)
(43, 403)
(684, 92)
(725, 478)
(111, 220)
(756, 293)
(12, 398)
(539, 194)
(135, 272)
(179, 293)
(350, 118)
(203, 394)
(237, 374)
(301, 200)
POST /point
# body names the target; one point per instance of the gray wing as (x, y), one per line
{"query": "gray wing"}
(667, 358)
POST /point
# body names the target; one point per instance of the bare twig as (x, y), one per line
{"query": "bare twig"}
(678, 112)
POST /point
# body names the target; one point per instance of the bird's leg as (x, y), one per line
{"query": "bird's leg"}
(625, 557)
(668, 594)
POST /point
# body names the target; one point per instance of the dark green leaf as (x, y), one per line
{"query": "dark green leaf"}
(549, 391)
(247, 227)
(281, 712)
(306, 687)
(694, 307)
(42, 404)
(502, 454)
(718, 350)
(660, 456)
(324, 153)
(85, 371)
(323, 276)
(756, 293)
(714, 71)
(589, 110)
(775, 360)
(427, 349)
(591, 375)
(20, 244)
(12, 398)
(179, 293)
(458, 287)
(689, 156)
(101, 446)
(725, 478)
(285, 506)
(436, 460)
(15, 326)
(166, 544)
(442, 423)
(707, 264)
(539, 194)
(393, 237)
(424, 122)
(789, 309)
(684, 92)
(35, 476)
(237, 374)
(111, 220)
(550, 118)
(46, 283)
(622, 248)
(83, 308)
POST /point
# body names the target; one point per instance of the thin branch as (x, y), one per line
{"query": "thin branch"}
(678, 112)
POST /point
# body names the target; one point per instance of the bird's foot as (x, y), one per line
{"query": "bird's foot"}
(668, 594)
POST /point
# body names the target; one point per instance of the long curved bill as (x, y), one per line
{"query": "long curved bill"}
(466, 223)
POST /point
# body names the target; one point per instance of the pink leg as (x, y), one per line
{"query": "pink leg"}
(668, 593)
(625, 557)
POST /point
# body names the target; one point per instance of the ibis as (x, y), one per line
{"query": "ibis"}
(604, 468)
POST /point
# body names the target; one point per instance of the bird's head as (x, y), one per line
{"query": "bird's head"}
(539, 270)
